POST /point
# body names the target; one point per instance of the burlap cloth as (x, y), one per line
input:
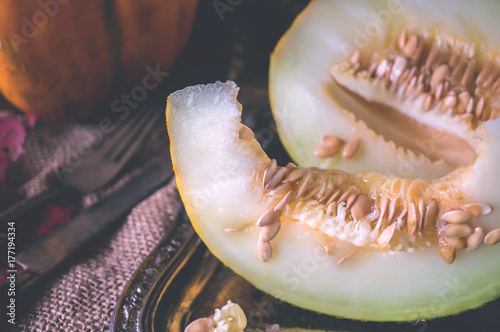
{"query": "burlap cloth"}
(82, 297)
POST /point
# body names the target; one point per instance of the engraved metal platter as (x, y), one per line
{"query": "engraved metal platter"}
(192, 287)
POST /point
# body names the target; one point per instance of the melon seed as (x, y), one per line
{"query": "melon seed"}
(287, 199)
(446, 248)
(386, 236)
(493, 237)
(384, 203)
(485, 72)
(461, 243)
(392, 208)
(421, 213)
(350, 148)
(269, 232)
(410, 46)
(276, 178)
(333, 197)
(412, 219)
(475, 239)
(269, 172)
(350, 201)
(355, 57)
(268, 217)
(402, 39)
(456, 216)
(345, 195)
(439, 74)
(398, 68)
(468, 78)
(264, 251)
(361, 207)
(326, 151)
(451, 99)
(477, 209)
(294, 175)
(330, 140)
(456, 230)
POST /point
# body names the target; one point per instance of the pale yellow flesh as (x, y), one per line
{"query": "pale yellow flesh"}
(215, 172)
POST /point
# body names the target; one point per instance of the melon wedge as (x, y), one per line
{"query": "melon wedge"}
(219, 170)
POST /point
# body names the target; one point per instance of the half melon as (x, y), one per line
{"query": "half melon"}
(410, 81)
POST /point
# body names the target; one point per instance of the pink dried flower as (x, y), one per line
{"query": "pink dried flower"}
(12, 135)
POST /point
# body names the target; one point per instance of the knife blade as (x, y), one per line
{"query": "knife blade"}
(49, 252)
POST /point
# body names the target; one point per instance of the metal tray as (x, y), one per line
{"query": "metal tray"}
(182, 281)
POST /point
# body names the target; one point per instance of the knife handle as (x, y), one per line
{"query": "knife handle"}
(26, 279)
(18, 209)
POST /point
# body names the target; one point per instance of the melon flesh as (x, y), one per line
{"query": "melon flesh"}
(216, 174)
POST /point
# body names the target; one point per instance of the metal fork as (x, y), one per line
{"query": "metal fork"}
(101, 166)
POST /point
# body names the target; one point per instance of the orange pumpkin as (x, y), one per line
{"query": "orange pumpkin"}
(59, 58)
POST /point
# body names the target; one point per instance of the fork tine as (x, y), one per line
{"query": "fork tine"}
(122, 132)
(128, 147)
(133, 125)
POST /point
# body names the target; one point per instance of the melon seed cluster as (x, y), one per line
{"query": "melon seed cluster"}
(387, 204)
(449, 80)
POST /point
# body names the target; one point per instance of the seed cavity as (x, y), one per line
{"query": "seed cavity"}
(398, 215)
(443, 76)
